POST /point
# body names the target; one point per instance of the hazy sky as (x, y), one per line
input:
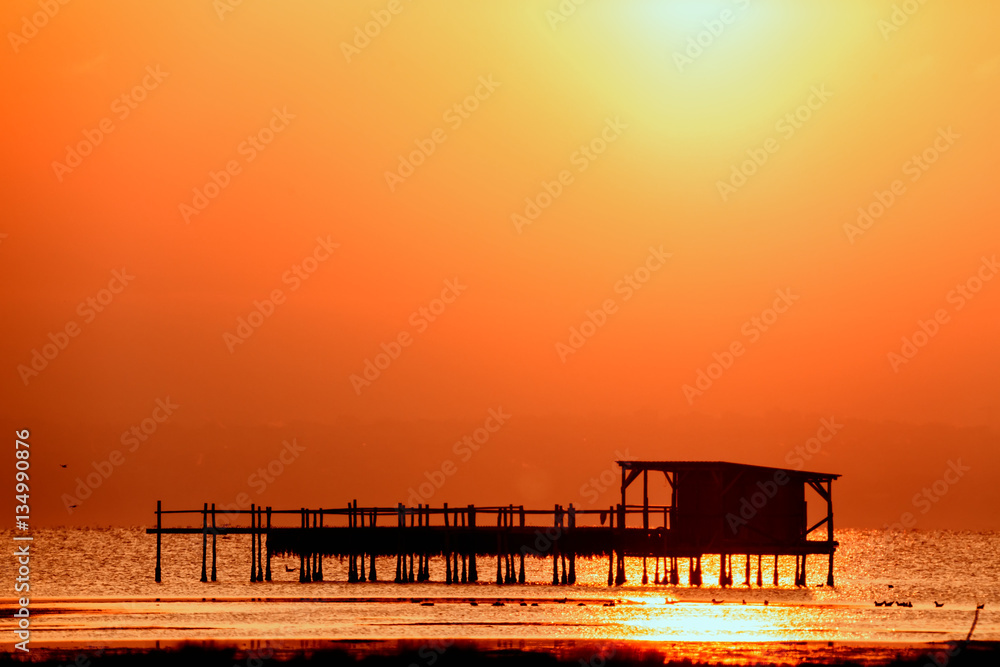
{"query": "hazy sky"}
(692, 229)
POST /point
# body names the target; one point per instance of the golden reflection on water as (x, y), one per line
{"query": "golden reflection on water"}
(666, 619)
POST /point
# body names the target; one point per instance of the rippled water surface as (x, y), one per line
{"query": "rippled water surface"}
(90, 586)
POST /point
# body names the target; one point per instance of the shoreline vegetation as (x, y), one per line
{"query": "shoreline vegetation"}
(503, 653)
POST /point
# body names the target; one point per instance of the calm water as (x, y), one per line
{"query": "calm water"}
(95, 586)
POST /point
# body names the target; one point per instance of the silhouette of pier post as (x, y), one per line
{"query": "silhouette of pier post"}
(267, 572)
(204, 543)
(214, 534)
(158, 576)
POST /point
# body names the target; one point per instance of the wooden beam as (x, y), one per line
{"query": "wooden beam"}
(817, 525)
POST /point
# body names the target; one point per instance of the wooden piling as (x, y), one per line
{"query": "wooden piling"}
(747, 582)
(214, 534)
(760, 572)
(260, 543)
(352, 574)
(620, 578)
(319, 556)
(420, 555)
(611, 550)
(372, 576)
(361, 552)
(555, 547)
(499, 547)
(158, 573)
(447, 553)
(508, 556)
(829, 530)
(775, 569)
(204, 543)
(473, 571)
(253, 546)
(572, 554)
(267, 573)
(520, 574)
(303, 575)
(400, 523)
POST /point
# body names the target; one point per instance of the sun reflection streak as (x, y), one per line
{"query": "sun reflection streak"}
(664, 619)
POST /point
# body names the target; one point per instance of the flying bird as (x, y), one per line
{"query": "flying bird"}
(938, 604)
(62, 465)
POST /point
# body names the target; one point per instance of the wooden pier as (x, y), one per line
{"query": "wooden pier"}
(716, 508)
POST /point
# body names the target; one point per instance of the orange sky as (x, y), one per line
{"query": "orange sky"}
(633, 225)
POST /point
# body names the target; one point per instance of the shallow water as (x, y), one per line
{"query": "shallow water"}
(96, 586)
